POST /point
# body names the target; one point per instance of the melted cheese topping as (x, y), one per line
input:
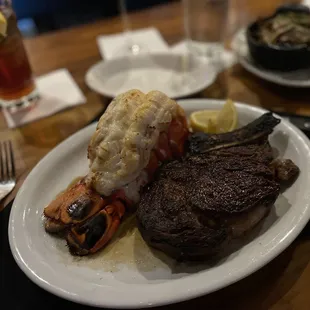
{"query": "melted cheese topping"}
(125, 136)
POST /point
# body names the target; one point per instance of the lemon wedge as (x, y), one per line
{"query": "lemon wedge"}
(3, 25)
(204, 120)
(215, 121)
(227, 119)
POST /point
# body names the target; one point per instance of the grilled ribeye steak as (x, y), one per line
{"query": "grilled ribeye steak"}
(220, 190)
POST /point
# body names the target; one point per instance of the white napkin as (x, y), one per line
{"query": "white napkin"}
(306, 2)
(115, 45)
(57, 91)
(228, 57)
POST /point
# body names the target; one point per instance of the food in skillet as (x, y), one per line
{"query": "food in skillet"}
(135, 135)
(281, 41)
(289, 28)
(221, 189)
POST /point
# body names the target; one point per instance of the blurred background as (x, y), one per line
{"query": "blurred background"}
(41, 16)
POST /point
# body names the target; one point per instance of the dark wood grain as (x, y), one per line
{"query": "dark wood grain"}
(281, 285)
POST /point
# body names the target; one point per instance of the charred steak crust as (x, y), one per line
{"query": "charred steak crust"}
(176, 229)
(192, 203)
(261, 127)
(284, 169)
(223, 187)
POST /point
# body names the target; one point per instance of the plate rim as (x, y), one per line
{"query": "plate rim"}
(212, 74)
(263, 74)
(165, 299)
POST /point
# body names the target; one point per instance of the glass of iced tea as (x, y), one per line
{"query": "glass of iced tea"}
(17, 86)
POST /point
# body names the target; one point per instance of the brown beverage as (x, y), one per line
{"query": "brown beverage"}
(15, 72)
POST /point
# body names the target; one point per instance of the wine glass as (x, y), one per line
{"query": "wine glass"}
(131, 47)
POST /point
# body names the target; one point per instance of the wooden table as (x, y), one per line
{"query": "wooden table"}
(284, 283)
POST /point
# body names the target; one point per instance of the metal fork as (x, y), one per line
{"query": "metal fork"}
(7, 169)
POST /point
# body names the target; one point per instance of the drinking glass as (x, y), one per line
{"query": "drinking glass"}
(17, 86)
(205, 24)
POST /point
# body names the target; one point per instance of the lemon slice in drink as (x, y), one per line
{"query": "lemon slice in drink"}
(204, 120)
(227, 118)
(3, 25)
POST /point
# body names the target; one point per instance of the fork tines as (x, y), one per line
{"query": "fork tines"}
(7, 166)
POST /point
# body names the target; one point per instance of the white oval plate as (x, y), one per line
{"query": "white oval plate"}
(298, 78)
(46, 261)
(175, 75)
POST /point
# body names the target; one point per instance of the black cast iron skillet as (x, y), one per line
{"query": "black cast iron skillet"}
(276, 57)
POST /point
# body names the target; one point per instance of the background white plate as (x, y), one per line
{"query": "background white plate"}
(299, 78)
(126, 283)
(175, 75)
